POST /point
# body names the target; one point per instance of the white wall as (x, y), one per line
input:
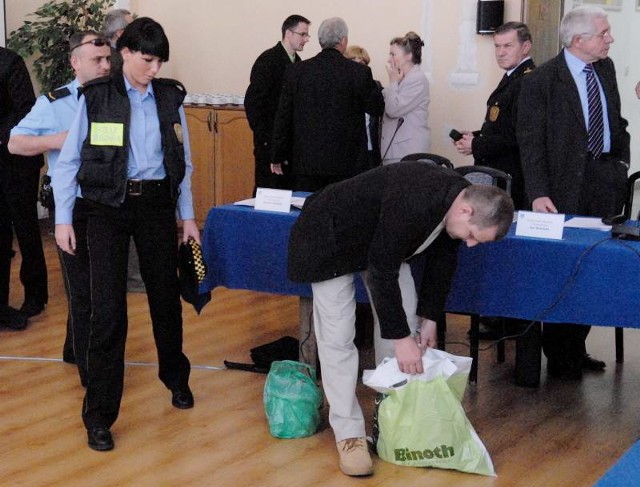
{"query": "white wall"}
(214, 44)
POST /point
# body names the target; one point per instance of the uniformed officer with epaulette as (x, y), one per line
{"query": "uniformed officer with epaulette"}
(495, 145)
(44, 129)
(128, 151)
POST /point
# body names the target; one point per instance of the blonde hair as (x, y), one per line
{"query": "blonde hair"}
(354, 51)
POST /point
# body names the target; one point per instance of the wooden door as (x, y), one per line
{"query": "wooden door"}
(234, 163)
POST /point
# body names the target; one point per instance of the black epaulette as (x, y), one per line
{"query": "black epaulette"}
(172, 82)
(57, 94)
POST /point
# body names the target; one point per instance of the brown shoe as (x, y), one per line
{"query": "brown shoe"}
(354, 457)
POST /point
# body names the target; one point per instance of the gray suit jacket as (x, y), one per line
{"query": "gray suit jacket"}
(552, 134)
(374, 222)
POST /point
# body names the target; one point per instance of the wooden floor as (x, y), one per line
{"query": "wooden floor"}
(562, 434)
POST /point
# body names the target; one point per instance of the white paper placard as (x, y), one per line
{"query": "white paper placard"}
(540, 225)
(268, 199)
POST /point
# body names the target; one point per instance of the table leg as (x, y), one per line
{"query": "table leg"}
(529, 356)
(308, 345)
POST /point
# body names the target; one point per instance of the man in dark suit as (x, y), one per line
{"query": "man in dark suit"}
(19, 177)
(495, 144)
(372, 224)
(320, 126)
(575, 150)
(263, 95)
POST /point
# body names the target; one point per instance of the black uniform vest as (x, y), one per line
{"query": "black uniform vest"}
(103, 173)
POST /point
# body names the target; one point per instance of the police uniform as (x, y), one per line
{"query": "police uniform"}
(495, 145)
(52, 114)
(129, 153)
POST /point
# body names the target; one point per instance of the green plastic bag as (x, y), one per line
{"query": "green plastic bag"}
(423, 424)
(292, 400)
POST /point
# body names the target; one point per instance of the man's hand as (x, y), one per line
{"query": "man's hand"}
(190, 229)
(409, 355)
(544, 205)
(276, 169)
(428, 337)
(66, 238)
(464, 144)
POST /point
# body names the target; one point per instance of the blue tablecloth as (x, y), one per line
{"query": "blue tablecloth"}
(247, 249)
(586, 278)
(625, 472)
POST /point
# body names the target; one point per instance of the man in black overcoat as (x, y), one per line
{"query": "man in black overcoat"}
(495, 144)
(320, 125)
(19, 178)
(373, 224)
(263, 95)
(563, 172)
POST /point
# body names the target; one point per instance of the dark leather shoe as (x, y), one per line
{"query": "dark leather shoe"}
(182, 398)
(564, 370)
(12, 318)
(32, 307)
(590, 363)
(100, 439)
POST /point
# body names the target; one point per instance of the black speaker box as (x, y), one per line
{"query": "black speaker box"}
(490, 16)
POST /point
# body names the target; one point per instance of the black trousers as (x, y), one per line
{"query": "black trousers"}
(77, 285)
(19, 179)
(150, 219)
(604, 193)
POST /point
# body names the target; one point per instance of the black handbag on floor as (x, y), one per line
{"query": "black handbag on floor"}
(285, 348)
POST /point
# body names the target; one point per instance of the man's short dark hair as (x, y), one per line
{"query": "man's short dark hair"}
(78, 38)
(292, 21)
(492, 207)
(147, 36)
(521, 29)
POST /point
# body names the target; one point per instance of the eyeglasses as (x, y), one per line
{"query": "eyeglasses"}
(304, 35)
(98, 42)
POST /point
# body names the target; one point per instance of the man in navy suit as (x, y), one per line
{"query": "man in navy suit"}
(263, 94)
(563, 170)
(320, 125)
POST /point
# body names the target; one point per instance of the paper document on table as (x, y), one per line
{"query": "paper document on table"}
(587, 222)
(296, 201)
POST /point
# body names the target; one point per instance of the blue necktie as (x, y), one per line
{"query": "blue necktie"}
(595, 142)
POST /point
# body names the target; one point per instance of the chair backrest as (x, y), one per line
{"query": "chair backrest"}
(429, 158)
(486, 175)
(631, 189)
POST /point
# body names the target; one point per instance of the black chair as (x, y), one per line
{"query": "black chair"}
(628, 209)
(631, 189)
(486, 175)
(429, 158)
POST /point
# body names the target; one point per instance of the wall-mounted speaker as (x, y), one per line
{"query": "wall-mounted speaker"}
(490, 16)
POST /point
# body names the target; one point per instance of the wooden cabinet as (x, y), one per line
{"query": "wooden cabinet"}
(222, 156)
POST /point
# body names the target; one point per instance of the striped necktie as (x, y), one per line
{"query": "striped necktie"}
(595, 142)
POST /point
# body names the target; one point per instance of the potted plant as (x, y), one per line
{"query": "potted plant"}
(48, 36)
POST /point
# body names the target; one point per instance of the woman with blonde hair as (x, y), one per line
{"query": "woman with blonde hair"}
(404, 125)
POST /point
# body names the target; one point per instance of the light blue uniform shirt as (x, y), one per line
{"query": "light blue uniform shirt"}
(145, 154)
(576, 67)
(50, 117)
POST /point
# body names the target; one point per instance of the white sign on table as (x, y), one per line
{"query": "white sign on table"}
(540, 225)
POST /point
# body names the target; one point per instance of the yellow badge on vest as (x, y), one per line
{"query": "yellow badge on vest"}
(177, 128)
(107, 134)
